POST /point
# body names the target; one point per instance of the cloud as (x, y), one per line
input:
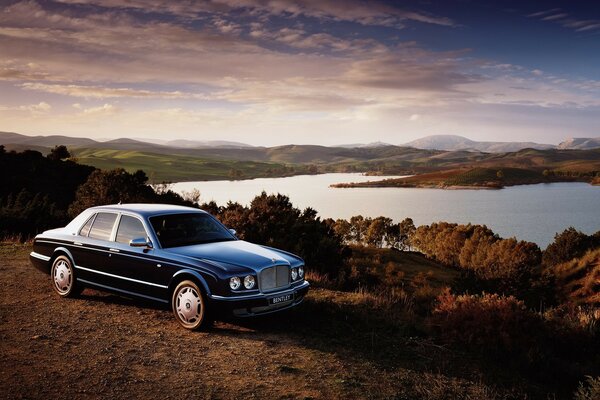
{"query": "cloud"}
(100, 92)
(544, 12)
(362, 12)
(578, 25)
(41, 107)
(106, 109)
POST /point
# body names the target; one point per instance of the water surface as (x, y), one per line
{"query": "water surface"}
(529, 212)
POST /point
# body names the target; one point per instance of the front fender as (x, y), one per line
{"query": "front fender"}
(193, 274)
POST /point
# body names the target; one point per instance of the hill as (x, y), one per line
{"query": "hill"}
(454, 142)
(579, 279)
(330, 347)
(580, 143)
(226, 161)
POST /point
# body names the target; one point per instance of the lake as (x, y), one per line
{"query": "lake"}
(529, 212)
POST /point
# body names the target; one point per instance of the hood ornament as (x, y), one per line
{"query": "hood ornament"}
(272, 259)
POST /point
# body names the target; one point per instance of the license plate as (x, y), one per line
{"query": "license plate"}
(281, 299)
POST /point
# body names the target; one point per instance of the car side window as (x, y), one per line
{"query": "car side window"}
(85, 229)
(130, 228)
(102, 226)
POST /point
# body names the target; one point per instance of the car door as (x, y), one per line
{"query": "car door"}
(137, 267)
(91, 249)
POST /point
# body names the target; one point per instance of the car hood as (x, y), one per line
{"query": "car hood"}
(236, 252)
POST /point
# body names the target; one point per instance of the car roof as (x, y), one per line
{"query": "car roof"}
(148, 210)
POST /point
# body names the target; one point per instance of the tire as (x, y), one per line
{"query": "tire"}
(62, 276)
(189, 306)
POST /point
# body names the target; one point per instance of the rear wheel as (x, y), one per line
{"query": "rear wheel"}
(63, 277)
(189, 305)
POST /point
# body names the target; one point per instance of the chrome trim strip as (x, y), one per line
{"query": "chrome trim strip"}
(261, 295)
(122, 291)
(121, 277)
(39, 256)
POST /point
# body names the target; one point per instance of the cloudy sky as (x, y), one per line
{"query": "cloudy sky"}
(272, 72)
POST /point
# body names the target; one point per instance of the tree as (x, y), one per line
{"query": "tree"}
(407, 231)
(567, 245)
(376, 232)
(59, 152)
(343, 229)
(272, 220)
(111, 187)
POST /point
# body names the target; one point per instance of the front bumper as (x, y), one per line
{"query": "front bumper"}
(259, 303)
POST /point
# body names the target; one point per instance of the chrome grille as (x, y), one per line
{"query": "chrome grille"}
(273, 278)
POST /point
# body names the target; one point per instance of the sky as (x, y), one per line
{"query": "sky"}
(272, 72)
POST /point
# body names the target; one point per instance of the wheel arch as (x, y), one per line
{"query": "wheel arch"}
(184, 274)
(61, 251)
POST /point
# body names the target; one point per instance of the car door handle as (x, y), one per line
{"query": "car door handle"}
(114, 250)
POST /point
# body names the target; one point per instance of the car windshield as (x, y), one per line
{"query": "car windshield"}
(175, 230)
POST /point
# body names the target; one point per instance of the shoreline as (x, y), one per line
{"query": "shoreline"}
(378, 184)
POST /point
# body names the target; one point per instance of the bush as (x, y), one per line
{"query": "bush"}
(568, 245)
(590, 390)
(272, 220)
(500, 324)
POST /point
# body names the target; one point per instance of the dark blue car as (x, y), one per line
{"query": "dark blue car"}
(175, 255)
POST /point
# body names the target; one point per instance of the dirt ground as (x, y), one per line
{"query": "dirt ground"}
(106, 346)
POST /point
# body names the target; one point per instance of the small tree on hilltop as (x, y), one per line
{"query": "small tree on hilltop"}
(59, 153)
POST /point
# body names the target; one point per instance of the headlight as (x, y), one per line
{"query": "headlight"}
(294, 274)
(301, 272)
(234, 283)
(249, 282)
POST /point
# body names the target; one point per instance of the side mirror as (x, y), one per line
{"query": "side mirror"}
(233, 232)
(140, 242)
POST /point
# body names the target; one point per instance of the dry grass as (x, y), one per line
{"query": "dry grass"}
(579, 279)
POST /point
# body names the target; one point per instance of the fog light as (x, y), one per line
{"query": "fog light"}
(301, 272)
(294, 274)
(249, 282)
(234, 283)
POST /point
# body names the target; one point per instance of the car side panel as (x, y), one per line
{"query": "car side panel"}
(139, 271)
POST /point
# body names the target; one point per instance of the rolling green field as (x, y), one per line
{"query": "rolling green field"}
(177, 167)
(432, 168)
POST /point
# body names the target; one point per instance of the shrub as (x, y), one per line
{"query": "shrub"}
(590, 390)
(272, 220)
(568, 245)
(500, 324)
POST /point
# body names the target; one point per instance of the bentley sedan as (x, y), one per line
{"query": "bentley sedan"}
(180, 256)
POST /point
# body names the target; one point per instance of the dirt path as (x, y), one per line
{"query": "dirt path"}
(106, 346)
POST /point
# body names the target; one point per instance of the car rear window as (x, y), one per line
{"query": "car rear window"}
(102, 226)
(130, 228)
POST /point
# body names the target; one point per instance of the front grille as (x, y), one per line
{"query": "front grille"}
(273, 278)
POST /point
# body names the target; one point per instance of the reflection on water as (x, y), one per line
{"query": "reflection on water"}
(529, 212)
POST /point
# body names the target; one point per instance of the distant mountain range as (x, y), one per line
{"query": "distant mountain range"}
(453, 143)
(121, 144)
(580, 143)
(435, 142)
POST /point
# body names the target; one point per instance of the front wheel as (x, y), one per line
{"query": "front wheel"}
(63, 277)
(188, 305)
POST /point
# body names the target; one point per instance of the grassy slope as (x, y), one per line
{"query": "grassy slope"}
(168, 167)
(445, 168)
(580, 279)
(331, 347)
